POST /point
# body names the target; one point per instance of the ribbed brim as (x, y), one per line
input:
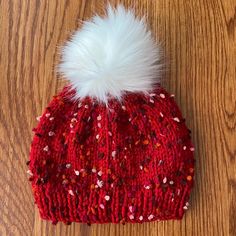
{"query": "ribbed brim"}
(148, 205)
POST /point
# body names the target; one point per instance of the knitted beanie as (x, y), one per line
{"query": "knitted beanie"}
(112, 146)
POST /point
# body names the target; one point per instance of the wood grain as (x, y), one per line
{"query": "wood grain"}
(199, 39)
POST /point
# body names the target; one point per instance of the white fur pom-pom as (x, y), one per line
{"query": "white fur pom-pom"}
(110, 56)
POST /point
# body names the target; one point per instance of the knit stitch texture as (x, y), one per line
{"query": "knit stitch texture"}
(129, 162)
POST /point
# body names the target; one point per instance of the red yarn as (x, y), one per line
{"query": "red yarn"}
(131, 162)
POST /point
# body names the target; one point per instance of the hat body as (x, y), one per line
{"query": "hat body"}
(130, 161)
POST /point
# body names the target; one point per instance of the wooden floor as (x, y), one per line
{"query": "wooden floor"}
(199, 39)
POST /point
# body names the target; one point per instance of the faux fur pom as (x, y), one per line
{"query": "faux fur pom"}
(111, 55)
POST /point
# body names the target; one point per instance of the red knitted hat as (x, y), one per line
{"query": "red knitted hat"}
(112, 146)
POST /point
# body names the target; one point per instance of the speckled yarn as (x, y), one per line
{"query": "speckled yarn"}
(130, 162)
